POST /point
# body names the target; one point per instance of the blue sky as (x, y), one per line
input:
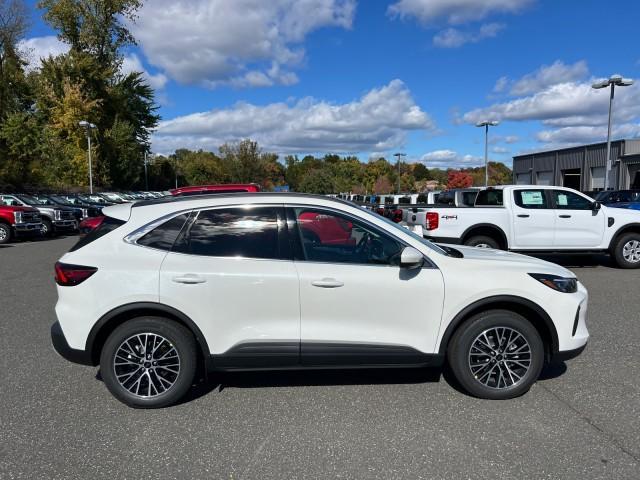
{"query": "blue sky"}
(372, 77)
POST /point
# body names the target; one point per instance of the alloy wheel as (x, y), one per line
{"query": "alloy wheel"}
(146, 365)
(631, 251)
(499, 357)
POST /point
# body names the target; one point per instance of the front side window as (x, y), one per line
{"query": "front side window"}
(232, 232)
(531, 199)
(571, 201)
(333, 238)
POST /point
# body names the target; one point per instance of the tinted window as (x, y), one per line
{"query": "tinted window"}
(571, 201)
(233, 232)
(469, 198)
(333, 238)
(532, 199)
(491, 198)
(445, 198)
(164, 236)
(107, 225)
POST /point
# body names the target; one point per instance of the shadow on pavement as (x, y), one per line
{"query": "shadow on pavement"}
(578, 260)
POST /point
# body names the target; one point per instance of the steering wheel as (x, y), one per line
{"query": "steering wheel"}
(363, 243)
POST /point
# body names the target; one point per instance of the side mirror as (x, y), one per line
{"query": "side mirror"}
(596, 206)
(410, 258)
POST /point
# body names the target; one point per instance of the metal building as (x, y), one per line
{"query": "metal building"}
(582, 168)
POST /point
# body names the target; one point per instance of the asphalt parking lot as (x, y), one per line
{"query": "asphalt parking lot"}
(580, 421)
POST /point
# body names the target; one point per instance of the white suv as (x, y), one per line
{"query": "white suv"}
(284, 281)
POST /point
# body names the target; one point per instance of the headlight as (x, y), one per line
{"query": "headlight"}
(18, 217)
(57, 215)
(85, 213)
(560, 284)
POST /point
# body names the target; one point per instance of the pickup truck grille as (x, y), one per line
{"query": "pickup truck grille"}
(67, 215)
(30, 217)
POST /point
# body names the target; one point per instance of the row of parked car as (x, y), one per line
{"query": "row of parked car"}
(528, 218)
(51, 214)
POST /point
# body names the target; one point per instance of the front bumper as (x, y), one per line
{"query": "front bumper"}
(22, 228)
(65, 224)
(63, 349)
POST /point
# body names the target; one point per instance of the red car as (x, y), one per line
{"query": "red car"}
(222, 188)
(326, 229)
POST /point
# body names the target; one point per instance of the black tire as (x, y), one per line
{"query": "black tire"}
(178, 338)
(618, 251)
(47, 228)
(5, 233)
(460, 358)
(482, 241)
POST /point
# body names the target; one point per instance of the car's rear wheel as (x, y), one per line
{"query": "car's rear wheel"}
(626, 251)
(149, 362)
(482, 241)
(5, 233)
(496, 355)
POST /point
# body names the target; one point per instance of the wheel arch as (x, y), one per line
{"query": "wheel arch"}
(486, 229)
(629, 228)
(528, 309)
(116, 317)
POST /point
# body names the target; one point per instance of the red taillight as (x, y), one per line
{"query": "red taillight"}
(380, 211)
(397, 216)
(72, 275)
(433, 220)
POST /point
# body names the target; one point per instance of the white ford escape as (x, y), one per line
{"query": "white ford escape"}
(281, 281)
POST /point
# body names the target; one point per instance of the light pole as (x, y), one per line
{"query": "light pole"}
(486, 124)
(613, 81)
(88, 127)
(399, 155)
(146, 177)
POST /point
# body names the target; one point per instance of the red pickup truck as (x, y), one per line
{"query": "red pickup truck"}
(18, 220)
(222, 188)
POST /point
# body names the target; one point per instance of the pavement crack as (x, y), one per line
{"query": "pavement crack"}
(255, 455)
(592, 424)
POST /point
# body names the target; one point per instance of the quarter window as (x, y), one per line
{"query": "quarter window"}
(571, 201)
(233, 232)
(333, 238)
(531, 199)
(164, 236)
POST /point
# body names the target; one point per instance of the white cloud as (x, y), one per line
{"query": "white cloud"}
(242, 43)
(37, 48)
(548, 75)
(500, 150)
(449, 159)
(577, 135)
(378, 121)
(454, 12)
(453, 37)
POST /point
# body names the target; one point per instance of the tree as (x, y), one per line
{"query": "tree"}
(382, 185)
(458, 179)
(317, 181)
(14, 91)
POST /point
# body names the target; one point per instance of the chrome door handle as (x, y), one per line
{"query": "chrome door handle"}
(327, 283)
(189, 279)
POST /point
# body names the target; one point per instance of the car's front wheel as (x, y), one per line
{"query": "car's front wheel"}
(149, 362)
(496, 355)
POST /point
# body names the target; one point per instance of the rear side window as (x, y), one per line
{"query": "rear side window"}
(531, 199)
(232, 232)
(469, 198)
(490, 198)
(164, 236)
(109, 224)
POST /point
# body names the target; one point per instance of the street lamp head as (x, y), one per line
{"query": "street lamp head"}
(490, 123)
(600, 84)
(626, 82)
(83, 123)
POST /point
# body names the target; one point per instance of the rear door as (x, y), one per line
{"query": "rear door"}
(578, 225)
(533, 219)
(231, 272)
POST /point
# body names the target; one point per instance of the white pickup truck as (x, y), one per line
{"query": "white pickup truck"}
(537, 218)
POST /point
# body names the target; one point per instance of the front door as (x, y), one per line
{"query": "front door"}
(533, 220)
(357, 306)
(578, 225)
(230, 271)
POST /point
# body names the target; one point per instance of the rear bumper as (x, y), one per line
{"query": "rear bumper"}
(63, 349)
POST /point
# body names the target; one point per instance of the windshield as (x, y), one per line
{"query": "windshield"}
(28, 199)
(60, 200)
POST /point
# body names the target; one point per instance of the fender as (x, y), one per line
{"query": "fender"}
(146, 308)
(629, 227)
(490, 226)
(503, 301)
